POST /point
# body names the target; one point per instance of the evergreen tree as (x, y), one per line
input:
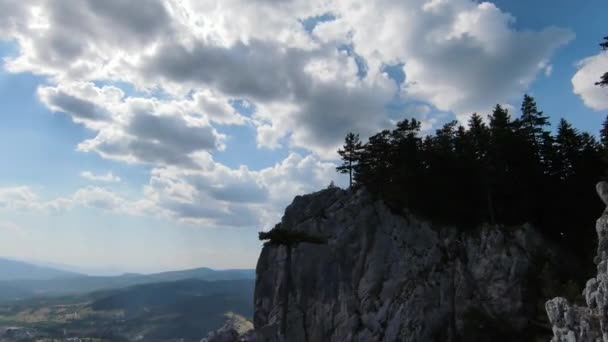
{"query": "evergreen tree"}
(374, 167)
(350, 154)
(406, 162)
(532, 121)
(478, 145)
(568, 142)
(500, 157)
(604, 134)
(507, 172)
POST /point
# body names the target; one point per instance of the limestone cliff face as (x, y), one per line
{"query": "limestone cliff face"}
(573, 323)
(389, 277)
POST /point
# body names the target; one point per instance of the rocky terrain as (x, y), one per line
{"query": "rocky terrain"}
(388, 276)
(572, 323)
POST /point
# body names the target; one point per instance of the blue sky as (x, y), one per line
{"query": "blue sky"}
(154, 141)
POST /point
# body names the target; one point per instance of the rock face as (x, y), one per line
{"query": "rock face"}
(572, 323)
(389, 277)
(234, 329)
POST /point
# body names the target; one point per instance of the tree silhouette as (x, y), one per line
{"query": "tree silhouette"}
(504, 171)
(604, 133)
(532, 121)
(350, 155)
(279, 236)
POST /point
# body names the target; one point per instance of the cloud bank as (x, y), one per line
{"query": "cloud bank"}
(157, 82)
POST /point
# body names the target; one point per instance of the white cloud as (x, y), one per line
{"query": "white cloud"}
(210, 195)
(589, 72)
(108, 177)
(548, 70)
(137, 129)
(154, 84)
(17, 198)
(23, 198)
(459, 56)
(215, 195)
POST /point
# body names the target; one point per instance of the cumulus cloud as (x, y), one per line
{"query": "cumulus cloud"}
(108, 177)
(583, 82)
(137, 129)
(155, 82)
(460, 56)
(212, 195)
(19, 197)
(23, 198)
(216, 195)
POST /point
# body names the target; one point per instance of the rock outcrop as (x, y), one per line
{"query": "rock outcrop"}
(384, 276)
(234, 329)
(573, 323)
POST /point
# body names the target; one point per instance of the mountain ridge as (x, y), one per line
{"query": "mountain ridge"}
(11, 269)
(65, 283)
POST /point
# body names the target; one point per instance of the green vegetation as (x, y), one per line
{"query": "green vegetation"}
(20, 289)
(284, 237)
(352, 147)
(507, 171)
(186, 309)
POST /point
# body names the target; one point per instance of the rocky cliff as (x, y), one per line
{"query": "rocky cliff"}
(572, 323)
(387, 276)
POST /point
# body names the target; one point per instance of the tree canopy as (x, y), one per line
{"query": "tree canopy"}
(283, 237)
(350, 155)
(501, 170)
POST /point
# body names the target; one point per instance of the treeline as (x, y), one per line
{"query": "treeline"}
(501, 170)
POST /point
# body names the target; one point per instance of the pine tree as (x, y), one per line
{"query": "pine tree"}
(604, 134)
(500, 120)
(406, 162)
(375, 162)
(500, 157)
(568, 141)
(350, 154)
(478, 139)
(532, 121)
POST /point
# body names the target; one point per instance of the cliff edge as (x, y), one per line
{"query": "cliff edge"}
(384, 276)
(572, 323)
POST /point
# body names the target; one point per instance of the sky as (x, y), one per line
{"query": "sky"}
(149, 136)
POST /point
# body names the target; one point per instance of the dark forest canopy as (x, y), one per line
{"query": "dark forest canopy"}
(500, 170)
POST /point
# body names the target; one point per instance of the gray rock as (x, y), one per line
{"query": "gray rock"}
(572, 323)
(236, 329)
(389, 277)
(602, 191)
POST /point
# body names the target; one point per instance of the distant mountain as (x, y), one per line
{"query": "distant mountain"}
(169, 311)
(202, 273)
(75, 283)
(18, 270)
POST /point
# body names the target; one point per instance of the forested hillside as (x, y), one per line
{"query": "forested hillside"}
(498, 169)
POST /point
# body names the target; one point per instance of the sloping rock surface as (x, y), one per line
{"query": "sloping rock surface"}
(392, 277)
(573, 323)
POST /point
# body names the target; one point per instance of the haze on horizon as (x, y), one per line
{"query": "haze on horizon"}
(150, 138)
